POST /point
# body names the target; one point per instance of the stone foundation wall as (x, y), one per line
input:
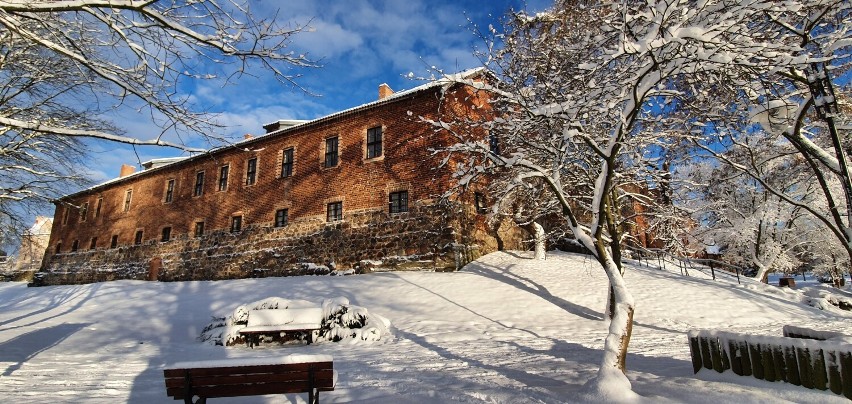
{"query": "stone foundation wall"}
(427, 238)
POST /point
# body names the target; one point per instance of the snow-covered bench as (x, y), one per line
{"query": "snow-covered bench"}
(281, 322)
(251, 377)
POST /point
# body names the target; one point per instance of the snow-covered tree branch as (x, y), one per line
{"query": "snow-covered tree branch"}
(587, 98)
(68, 67)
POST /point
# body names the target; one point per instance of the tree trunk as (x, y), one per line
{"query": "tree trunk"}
(540, 251)
(621, 321)
(612, 372)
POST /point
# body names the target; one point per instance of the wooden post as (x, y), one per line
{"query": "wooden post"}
(778, 361)
(746, 357)
(792, 365)
(695, 352)
(736, 357)
(706, 359)
(768, 363)
(846, 373)
(716, 355)
(833, 366)
(818, 375)
(756, 360)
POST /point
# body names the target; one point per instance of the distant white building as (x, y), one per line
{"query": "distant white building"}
(33, 245)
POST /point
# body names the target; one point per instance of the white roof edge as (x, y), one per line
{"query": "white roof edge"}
(443, 80)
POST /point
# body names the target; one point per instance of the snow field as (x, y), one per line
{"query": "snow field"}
(506, 329)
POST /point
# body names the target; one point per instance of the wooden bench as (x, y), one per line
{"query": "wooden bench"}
(281, 322)
(233, 378)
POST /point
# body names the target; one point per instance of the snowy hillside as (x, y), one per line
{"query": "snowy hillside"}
(507, 329)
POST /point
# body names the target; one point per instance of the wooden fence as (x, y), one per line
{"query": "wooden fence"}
(810, 363)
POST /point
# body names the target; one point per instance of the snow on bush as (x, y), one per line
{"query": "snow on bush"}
(341, 321)
(826, 299)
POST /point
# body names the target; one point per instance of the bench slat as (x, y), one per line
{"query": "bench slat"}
(229, 370)
(245, 390)
(321, 378)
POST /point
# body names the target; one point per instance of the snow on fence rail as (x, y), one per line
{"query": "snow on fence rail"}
(792, 331)
(811, 363)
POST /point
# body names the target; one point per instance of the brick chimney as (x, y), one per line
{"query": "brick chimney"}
(247, 136)
(384, 91)
(126, 170)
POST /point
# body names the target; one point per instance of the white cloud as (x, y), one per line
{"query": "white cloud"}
(326, 40)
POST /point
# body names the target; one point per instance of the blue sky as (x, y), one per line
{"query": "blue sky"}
(360, 44)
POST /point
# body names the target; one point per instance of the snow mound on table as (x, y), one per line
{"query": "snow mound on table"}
(341, 321)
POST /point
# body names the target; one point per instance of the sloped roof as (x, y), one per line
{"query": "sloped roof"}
(446, 80)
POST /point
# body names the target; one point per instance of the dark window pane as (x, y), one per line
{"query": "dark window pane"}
(398, 202)
(280, 217)
(236, 224)
(223, 178)
(170, 190)
(374, 142)
(127, 197)
(138, 238)
(335, 211)
(93, 243)
(287, 163)
(199, 184)
(331, 152)
(84, 211)
(251, 171)
(199, 229)
(167, 234)
(113, 242)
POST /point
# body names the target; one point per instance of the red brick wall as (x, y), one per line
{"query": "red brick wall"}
(407, 163)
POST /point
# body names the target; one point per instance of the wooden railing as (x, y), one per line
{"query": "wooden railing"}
(683, 263)
(811, 363)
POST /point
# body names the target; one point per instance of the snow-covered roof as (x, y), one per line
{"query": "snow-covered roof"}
(154, 163)
(290, 125)
(443, 81)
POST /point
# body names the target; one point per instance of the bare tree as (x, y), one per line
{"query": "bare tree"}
(66, 68)
(585, 96)
(787, 102)
(749, 225)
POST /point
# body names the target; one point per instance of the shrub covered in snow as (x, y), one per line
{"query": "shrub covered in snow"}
(341, 321)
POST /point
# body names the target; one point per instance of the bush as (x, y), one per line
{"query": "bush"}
(341, 321)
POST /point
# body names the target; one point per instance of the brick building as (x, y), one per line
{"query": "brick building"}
(357, 189)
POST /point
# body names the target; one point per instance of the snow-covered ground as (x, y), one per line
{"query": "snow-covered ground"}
(506, 329)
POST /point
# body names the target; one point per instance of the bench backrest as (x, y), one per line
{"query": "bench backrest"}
(271, 317)
(237, 381)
